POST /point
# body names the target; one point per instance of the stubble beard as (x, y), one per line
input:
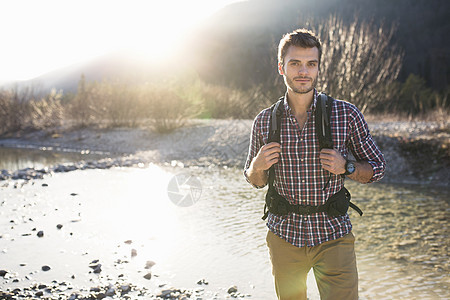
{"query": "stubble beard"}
(290, 84)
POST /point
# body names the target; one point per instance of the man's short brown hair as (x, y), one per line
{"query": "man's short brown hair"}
(300, 38)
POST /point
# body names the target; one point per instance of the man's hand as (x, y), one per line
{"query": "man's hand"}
(267, 156)
(332, 161)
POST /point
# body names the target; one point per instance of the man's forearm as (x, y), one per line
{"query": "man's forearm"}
(363, 172)
(257, 177)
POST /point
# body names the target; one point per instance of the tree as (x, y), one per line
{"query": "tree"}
(359, 63)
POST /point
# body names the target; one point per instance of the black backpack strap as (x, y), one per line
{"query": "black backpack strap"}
(324, 106)
(358, 210)
(275, 121)
(274, 136)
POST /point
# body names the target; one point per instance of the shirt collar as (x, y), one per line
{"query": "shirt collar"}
(288, 110)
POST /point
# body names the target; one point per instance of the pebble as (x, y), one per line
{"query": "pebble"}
(110, 292)
(45, 268)
(202, 281)
(149, 264)
(133, 252)
(59, 226)
(98, 269)
(40, 233)
(232, 289)
(126, 288)
(148, 276)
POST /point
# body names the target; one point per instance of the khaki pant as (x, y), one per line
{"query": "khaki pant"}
(333, 262)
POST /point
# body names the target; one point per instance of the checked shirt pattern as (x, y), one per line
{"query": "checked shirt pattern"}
(299, 176)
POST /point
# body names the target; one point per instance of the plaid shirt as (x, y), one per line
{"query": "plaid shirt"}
(299, 176)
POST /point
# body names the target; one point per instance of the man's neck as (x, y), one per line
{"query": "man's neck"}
(300, 103)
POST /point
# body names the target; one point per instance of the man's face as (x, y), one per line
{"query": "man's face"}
(300, 69)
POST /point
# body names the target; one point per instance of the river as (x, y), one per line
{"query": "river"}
(124, 217)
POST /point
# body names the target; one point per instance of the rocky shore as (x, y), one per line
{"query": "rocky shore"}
(416, 152)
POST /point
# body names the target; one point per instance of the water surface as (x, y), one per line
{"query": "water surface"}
(401, 241)
(20, 158)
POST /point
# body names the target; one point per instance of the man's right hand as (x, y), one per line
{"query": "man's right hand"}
(268, 155)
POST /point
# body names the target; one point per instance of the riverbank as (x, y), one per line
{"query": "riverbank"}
(416, 152)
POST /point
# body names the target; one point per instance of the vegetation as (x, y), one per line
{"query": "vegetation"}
(361, 64)
(24, 109)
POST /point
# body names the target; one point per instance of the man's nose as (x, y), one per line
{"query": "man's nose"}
(302, 69)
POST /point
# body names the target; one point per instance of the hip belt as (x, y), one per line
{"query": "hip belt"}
(336, 205)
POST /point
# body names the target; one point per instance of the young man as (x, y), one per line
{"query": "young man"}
(306, 175)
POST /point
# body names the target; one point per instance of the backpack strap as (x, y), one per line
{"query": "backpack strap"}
(324, 106)
(275, 121)
(323, 112)
(274, 136)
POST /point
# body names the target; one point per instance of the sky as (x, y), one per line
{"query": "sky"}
(40, 36)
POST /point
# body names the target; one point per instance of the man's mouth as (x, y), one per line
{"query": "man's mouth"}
(302, 79)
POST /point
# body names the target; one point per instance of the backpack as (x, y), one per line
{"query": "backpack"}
(338, 203)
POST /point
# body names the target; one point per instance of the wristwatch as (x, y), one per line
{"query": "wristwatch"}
(349, 167)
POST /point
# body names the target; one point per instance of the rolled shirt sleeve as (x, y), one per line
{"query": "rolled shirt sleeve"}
(364, 147)
(256, 142)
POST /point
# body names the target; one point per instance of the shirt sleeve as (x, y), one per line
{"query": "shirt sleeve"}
(364, 147)
(256, 142)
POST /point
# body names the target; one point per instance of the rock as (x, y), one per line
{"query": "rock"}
(232, 289)
(45, 268)
(202, 281)
(94, 263)
(73, 194)
(59, 226)
(165, 293)
(74, 296)
(101, 295)
(44, 184)
(39, 294)
(148, 276)
(133, 252)
(42, 286)
(126, 288)
(3, 273)
(149, 264)
(40, 233)
(128, 242)
(98, 269)
(110, 292)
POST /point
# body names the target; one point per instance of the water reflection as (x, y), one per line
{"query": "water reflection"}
(20, 158)
(402, 241)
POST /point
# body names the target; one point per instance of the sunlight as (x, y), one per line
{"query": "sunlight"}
(50, 34)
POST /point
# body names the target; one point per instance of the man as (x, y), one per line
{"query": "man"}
(306, 175)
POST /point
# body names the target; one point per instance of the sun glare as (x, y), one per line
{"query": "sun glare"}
(48, 34)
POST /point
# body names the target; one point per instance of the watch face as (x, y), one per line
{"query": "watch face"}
(350, 167)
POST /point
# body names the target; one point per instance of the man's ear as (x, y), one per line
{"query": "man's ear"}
(280, 69)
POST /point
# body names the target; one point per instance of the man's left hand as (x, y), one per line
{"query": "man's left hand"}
(332, 161)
